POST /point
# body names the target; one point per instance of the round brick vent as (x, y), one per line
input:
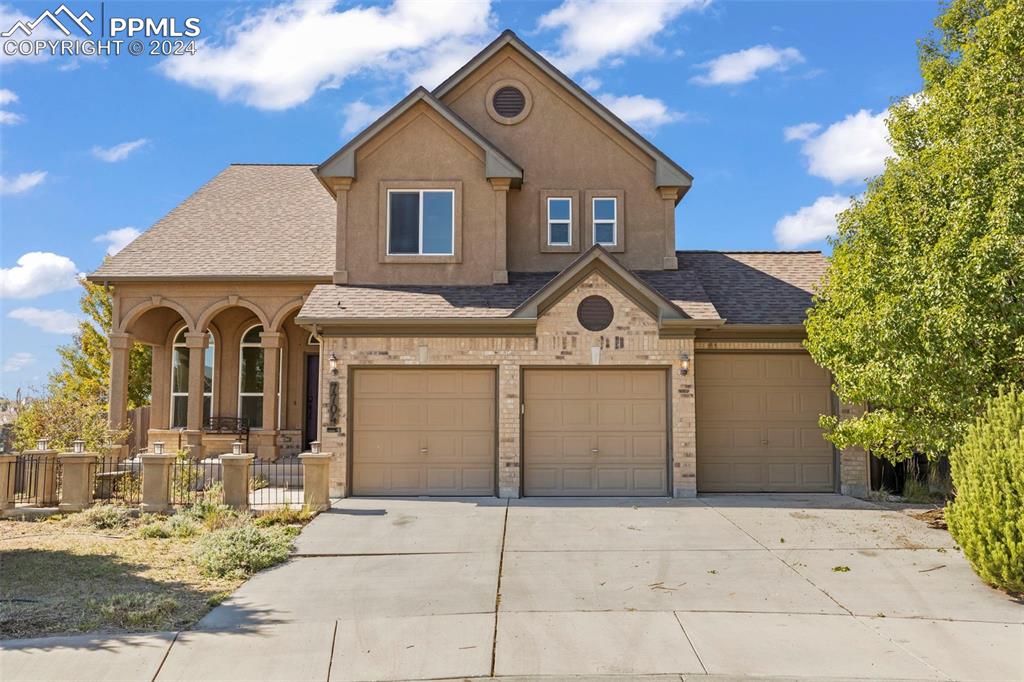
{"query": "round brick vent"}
(595, 313)
(509, 101)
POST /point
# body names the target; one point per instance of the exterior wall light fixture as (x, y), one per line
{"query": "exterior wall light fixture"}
(684, 365)
(333, 362)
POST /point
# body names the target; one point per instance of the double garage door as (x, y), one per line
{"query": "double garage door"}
(585, 432)
(592, 432)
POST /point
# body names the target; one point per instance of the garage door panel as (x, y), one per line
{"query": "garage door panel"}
(415, 432)
(757, 429)
(607, 435)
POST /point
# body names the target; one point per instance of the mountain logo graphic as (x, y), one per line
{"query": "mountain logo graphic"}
(28, 26)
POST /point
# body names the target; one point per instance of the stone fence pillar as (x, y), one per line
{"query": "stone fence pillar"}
(41, 474)
(7, 465)
(76, 482)
(316, 480)
(236, 470)
(156, 479)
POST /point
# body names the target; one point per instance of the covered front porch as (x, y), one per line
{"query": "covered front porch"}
(224, 368)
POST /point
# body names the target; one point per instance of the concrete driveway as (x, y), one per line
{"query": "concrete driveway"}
(788, 586)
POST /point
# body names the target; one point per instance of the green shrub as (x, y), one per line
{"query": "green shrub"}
(284, 516)
(181, 526)
(155, 530)
(211, 512)
(987, 516)
(242, 550)
(105, 517)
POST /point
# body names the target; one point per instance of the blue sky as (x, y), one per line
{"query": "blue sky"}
(776, 108)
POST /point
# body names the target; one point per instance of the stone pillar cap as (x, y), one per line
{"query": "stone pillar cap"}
(162, 457)
(77, 456)
(232, 457)
(315, 455)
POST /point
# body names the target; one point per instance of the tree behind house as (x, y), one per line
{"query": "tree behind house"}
(922, 316)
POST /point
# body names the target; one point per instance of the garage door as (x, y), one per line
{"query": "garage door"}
(595, 432)
(757, 423)
(423, 432)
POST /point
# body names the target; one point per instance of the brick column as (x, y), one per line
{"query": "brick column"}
(235, 472)
(7, 465)
(156, 479)
(854, 470)
(669, 195)
(271, 342)
(316, 467)
(509, 421)
(501, 187)
(76, 478)
(341, 187)
(684, 423)
(120, 355)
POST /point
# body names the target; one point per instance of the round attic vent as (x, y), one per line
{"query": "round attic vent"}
(509, 101)
(595, 313)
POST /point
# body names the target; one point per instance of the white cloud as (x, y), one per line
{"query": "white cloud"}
(38, 273)
(852, 149)
(50, 321)
(596, 32)
(22, 182)
(590, 83)
(643, 113)
(119, 152)
(117, 239)
(430, 68)
(280, 56)
(359, 114)
(9, 118)
(811, 223)
(7, 96)
(18, 361)
(743, 66)
(800, 131)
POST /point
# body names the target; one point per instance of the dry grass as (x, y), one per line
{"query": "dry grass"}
(64, 575)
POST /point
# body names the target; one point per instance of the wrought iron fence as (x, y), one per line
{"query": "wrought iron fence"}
(276, 483)
(193, 480)
(35, 479)
(117, 480)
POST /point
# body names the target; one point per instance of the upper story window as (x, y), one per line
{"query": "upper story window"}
(421, 222)
(179, 380)
(559, 221)
(605, 212)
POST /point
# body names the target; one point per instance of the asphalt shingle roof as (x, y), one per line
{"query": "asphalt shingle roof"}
(249, 221)
(766, 287)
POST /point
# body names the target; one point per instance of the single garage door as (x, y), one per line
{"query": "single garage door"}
(423, 432)
(757, 423)
(595, 432)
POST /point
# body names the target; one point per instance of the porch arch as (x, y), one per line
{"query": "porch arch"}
(206, 317)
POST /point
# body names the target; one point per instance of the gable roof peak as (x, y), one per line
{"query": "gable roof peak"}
(667, 173)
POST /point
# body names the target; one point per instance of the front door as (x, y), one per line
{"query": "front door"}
(309, 432)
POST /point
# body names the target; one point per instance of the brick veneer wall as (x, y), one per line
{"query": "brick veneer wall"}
(631, 340)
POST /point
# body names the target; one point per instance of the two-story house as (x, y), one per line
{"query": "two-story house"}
(479, 294)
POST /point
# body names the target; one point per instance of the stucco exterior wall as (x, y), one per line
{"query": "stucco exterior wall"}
(563, 145)
(631, 340)
(419, 146)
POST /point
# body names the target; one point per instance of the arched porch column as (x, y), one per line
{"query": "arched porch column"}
(272, 343)
(120, 355)
(196, 343)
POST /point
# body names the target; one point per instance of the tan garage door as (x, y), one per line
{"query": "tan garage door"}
(595, 432)
(423, 432)
(757, 423)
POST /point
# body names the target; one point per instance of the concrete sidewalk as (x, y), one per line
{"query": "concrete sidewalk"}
(715, 588)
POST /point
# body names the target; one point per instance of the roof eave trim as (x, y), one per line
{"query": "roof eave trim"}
(104, 279)
(667, 172)
(416, 326)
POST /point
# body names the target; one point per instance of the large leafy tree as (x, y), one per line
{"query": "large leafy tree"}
(922, 315)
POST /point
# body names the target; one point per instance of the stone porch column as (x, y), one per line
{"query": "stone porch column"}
(236, 471)
(271, 342)
(77, 481)
(501, 187)
(669, 195)
(7, 474)
(196, 343)
(341, 186)
(120, 355)
(316, 482)
(156, 479)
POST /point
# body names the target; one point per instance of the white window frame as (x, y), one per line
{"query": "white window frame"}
(175, 344)
(567, 222)
(242, 344)
(614, 221)
(420, 192)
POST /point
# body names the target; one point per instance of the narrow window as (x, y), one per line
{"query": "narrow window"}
(250, 378)
(605, 227)
(559, 221)
(179, 380)
(421, 222)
